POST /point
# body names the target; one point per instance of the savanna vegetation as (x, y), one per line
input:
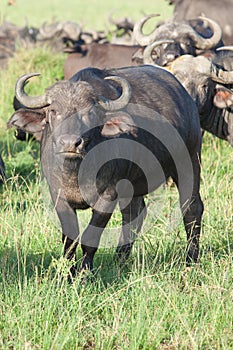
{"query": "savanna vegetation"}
(154, 301)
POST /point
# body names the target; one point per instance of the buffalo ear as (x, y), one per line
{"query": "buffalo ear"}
(117, 124)
(30, 121)
(223, 97)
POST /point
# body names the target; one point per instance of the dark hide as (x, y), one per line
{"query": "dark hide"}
(88, 153)
(100, 56)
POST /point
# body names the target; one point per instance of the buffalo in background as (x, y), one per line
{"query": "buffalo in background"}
(220, 11)
(58, 36)
(172, 39)
(106, 55)
(209, 83)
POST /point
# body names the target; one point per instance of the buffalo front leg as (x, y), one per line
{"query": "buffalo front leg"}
(192, 209)
(92, 234)
(133, 216)
(70, 230)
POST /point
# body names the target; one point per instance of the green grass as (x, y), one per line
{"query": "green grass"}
(91, 14)
(153, 302)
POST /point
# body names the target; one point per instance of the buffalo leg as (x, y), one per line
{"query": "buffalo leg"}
(70, 230)
(92, 234)
(133, 216)
(192, 209)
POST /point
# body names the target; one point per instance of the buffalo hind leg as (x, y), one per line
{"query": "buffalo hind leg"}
(133, 216)
(192, 222)
(192, 209)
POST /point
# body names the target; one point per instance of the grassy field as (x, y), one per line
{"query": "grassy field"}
(153, 302)
(91, 13)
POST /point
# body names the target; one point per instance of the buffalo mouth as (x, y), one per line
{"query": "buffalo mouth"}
(70, 154)
(70, 146)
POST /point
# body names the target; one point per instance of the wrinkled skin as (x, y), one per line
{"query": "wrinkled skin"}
(76, 123)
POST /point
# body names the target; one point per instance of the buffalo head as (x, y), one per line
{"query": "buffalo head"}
(209, 85)
(173, 39)
(67, 106)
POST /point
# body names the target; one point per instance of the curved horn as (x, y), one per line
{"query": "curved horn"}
(122, 101)
(89, 36)
(49, 31)
(147, 54)
(72, 29)
(221, 76)
(142, 39)
(204, 43)
(24, 99)
(111, 20)
(223, 48)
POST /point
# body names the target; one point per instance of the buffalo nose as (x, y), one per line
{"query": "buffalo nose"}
(171, 56)
(69, 143)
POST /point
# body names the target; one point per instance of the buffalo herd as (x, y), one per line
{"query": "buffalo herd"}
(128, 116)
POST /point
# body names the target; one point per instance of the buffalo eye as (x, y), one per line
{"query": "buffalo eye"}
(53, 116)
(52, 113)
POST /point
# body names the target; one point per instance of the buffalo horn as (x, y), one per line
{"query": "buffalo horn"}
(205, 43)
(221, 76)
(142, 39)
(48, 32)
(122, 101)
(147, 54)
(223, 48)
(24, 99)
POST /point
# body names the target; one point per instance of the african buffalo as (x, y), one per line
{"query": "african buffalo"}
(101, 56)
(220, 11)
(112, 136)
(12, 36)
(123, 33)
(173, 39)
(205, 81)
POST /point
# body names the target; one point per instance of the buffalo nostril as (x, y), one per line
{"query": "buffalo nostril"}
(69, 140)
(61, 141)
(68, 143)
(78, 142)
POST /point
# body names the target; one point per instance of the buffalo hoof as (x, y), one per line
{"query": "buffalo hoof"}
(123, 252)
